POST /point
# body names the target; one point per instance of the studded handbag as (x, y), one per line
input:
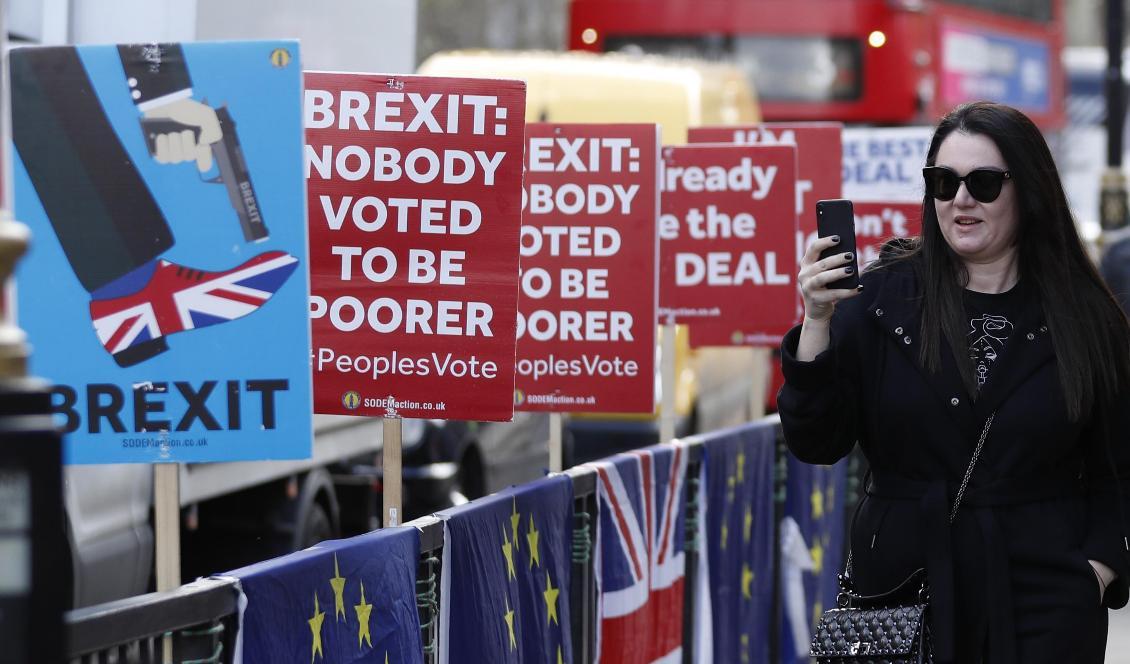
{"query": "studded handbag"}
(888, 628)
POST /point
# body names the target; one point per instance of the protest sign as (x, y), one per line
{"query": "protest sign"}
(727, 233)
(586, 320)
(414, 194)
(885, 164)
(170, 240)
(877, 222)
(819, 156)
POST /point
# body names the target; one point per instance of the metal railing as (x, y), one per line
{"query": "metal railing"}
(200, 618)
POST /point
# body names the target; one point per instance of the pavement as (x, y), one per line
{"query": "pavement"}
(1118, 637)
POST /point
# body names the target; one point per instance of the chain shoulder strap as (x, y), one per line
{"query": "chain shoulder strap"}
(969, 470)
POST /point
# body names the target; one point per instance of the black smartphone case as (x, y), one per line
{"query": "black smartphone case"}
(837, 217)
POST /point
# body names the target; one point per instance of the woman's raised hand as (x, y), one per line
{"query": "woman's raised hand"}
(815, 274)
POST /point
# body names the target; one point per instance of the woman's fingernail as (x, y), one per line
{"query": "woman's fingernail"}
(836, 239)
(859, 287)
(848, 256)
(849, 269)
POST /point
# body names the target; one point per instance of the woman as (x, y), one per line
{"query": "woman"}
(994, 310)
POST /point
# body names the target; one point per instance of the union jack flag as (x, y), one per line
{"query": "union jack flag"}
(176, 298)
(641, 566)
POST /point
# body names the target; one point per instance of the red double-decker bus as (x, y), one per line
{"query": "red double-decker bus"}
(859, 61)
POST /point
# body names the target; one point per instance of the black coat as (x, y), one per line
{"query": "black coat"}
(1011, 574)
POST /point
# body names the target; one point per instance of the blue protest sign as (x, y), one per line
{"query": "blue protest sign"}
(165, 292)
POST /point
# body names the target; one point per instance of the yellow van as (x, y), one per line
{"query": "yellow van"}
(715, 387)
(610, 87)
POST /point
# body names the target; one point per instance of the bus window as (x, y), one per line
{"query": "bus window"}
(782, 68)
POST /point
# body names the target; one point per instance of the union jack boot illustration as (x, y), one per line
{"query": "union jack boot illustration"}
(133, 327)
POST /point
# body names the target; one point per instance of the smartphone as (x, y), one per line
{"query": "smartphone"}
(837, 217)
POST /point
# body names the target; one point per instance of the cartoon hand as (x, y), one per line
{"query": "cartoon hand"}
(173, 147)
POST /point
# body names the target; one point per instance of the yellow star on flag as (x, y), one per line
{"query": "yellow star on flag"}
(550, 596)
(747, 581)
(741, 466)
(532, 540)
(338, 584)
(830, 499)
(817, 611)
(509, 618)
(725, 535)
(508, 551)
(747, 526)
(316, 630)
(817, 552)
(515, 520)
(386, 657)
(745, 647)
(364, 611)
(558, 654)
(817, 503)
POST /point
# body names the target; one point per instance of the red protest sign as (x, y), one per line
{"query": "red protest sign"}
(819, 155)
(414, 200)
(586, 321)
(728, 237)
(819, 148)
(877, 222)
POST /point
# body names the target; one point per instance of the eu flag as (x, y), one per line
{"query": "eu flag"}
(504, 590)
(739, 543)
(814, 503)
(341, 601)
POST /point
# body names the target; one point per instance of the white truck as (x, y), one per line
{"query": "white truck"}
(294, 503)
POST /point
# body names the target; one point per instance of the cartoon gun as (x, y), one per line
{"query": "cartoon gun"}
(234, 174)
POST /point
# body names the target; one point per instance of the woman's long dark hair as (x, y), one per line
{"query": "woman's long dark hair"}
(1089, 330)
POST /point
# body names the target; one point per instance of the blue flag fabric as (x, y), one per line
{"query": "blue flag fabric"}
(739, 542)
(342, 601)
(504, 593)
(814, 500)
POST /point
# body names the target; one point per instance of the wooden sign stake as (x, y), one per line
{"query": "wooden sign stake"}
(667, 380)
(556, 458)
(392, 507)
(166, 513)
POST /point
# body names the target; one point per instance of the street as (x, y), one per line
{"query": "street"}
(1118, 641)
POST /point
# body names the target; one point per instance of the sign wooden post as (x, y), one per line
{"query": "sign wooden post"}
(166, 515)
(669, 382)
(391, 455)
(556, 454)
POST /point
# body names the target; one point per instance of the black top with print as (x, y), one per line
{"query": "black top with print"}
(993, 319)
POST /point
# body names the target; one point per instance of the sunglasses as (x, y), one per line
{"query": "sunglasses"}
(983, 184)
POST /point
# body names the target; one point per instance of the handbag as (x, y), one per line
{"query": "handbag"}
(888, 628)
